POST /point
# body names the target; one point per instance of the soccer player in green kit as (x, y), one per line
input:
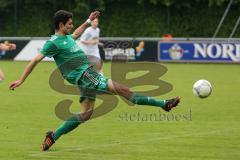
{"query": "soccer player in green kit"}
(76, 69)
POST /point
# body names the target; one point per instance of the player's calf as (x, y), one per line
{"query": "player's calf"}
(135, 98)
(69, 125)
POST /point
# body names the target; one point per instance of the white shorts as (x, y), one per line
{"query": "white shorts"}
(93, 58)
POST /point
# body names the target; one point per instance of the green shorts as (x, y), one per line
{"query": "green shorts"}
(92, 83)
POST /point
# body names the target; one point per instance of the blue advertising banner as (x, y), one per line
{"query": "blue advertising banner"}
(199, 52)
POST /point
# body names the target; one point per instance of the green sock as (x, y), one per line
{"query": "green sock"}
(69, 125)
(144, 100)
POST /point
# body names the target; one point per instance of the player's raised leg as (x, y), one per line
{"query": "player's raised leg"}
(125, 92)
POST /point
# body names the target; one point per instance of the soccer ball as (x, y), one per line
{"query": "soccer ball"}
(202, 88)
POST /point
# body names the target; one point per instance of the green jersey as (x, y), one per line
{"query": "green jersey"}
(69, 57)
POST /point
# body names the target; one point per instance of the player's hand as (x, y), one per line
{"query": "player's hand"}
(94, 15)
(15, 84)
(100, 44)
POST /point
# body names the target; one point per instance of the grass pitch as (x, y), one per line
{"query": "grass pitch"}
(207, 128)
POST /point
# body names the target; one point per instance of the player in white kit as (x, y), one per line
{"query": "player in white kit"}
(89, 42)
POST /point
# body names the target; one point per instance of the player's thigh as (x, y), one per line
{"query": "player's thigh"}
(87, 109)
(91, 104)
(99, 65)
(95, 61)
(87, 104)
(84, 105)
(119, 89)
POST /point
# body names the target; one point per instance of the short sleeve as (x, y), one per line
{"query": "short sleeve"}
(49, 49)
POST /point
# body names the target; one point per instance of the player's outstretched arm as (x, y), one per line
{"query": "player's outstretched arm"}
(29, 68)
(80, 29)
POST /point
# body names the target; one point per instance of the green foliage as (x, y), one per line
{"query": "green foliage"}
(188, 3)
(222, 2)
(140, 18)
(5, 3)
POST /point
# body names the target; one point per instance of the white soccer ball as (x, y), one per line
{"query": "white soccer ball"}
(202, 88)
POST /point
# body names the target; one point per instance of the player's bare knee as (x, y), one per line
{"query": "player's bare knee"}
(124, 91)
(86, 115)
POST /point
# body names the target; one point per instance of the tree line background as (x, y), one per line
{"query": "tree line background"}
(123, 18)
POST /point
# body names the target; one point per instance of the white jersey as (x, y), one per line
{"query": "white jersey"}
(90, 34)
